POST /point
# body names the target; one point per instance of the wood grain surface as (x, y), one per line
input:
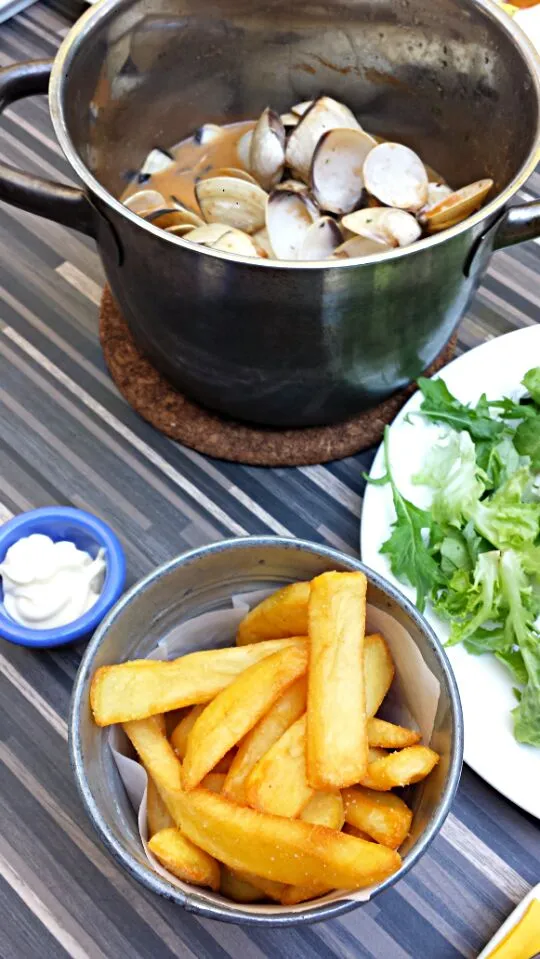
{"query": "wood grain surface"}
(66, 437)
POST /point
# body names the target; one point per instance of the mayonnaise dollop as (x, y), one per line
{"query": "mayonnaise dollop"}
(48, 584)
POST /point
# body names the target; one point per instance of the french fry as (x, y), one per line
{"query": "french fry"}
(237, 888)
(292, 895)
(269, 887)
(144, 687)
(184, 859)
(278, 782)
(225, 762)
(359, 833)
(156, 753)
(157, 814)
(284, 613)
(401, 768)
(389, 736)
(181, 732)
(285, 850)
(375, 752)
(324, 809)
(237, 708)
(382, 815)
(337, 746)
(285, 711)
(214, 782)
(378, 670)
(172, 718)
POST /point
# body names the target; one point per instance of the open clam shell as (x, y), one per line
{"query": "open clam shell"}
(170, 216)
(209, 233)
(337, 179)
(243, 148)
(359, 246)
(288, 218)
(292, 186)
(188, 214)
(144, 201)
(229, 171)
(320, 239)
(235, 241)
(180, 229)
(157, 161)
(323, 115)
(396, 176)
(235, 202)
(267, 149)
(262, 243)
(384, 224)
(300, 108)
(457, 206)
(289, 119)
(207, 133)
(436, 192)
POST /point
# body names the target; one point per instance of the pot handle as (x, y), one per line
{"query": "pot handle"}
(515, 225)
(55, 201)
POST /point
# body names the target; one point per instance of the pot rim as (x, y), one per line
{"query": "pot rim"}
(96, 14)
(197, 901)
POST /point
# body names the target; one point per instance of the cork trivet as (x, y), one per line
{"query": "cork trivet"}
(169, 411)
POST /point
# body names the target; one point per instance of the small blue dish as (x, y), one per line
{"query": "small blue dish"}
(88, 533)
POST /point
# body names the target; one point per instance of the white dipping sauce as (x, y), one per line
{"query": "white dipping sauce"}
(48, 584)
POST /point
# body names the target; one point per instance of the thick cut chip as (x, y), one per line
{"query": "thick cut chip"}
(324, 809)
(401, 768)
(269, 888)
(157, 814)
(382, 815)
(285, 711)
(285, 850)
(144, 687)
(359, 833)
(337, 745)
(379, 671)
(292, 895)
(181, 732)
(278, 783)
(237, 888)
(390, 736)
(155, 752)
(284, 613)
(237, 708)
(184, 859)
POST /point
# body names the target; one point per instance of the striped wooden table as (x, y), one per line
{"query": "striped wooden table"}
(67, 437)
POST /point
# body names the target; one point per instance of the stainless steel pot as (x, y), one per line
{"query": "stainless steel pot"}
(280, 343)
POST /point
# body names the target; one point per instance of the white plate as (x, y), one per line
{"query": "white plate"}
(495, 368)
(509, 924)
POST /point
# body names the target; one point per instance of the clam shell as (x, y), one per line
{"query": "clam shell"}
(289, 119)
(181, 229)
(156, 162)
(396, 176)
(325, 114)
(337, 181)
(288, 218)
(300, 108)
(384, 224)
(320, 240)
(267, 149)
(207, 133)
(144, 201)
(208, 233)
(169, 216)
(436, 193)
(188, 214)
(359, 246)
(243, 147)
(292, 186)
(457, 206)
(262, 243)
(235, 202)
(235, 241)
(233, 171)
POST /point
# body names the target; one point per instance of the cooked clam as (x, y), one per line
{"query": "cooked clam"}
(436, 192)
(144, 201)
(383, 224)
(225, 199)
(243, 148)
(209, 233)
(288, 218)
(396, 176)
(292, 186)
(228, 171)
(336, 171)
(289, 119)
(207, 133)
(300, 108)
(188, 214)
(262, 243)
(359, 246)
(324, 114)
(181, 229)
(267, 149)
(320, 239)
(235, 241)
(170, 216)
(457, 206)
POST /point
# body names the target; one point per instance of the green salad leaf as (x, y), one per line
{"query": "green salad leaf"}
(475, 553)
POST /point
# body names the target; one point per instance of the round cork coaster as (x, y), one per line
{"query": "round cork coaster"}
(169, 411)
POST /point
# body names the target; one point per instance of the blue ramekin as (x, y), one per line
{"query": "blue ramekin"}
(88, 533)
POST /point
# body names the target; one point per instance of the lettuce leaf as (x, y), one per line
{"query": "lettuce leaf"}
(452, 472)
(520, 621)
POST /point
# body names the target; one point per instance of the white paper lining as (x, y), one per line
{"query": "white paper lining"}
(412, 701)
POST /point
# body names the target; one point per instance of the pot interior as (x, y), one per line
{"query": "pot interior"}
(441, 77)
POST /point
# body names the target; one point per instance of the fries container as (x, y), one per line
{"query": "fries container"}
(159, 610)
